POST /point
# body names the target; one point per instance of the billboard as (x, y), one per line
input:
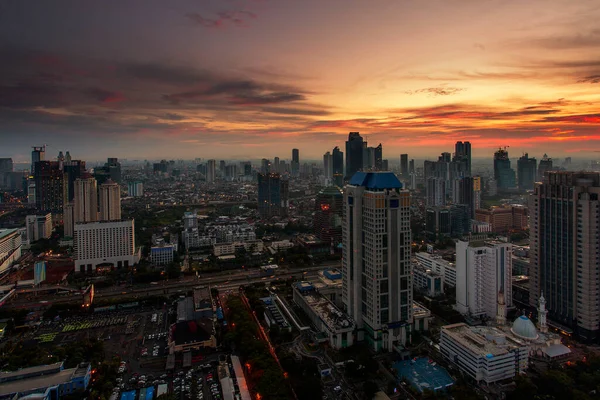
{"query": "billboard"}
(39, 272)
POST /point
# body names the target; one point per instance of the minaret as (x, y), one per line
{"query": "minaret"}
(501, 315)
(542, 312)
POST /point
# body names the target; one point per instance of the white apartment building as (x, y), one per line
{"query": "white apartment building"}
(10, 248)
(104, 243)
(223, 249)
(376, 274)
(436, 192)
(428, 281)
(85, 200)
(38, 227)
(483, 270)
(486, 354)
(282, 245)
(438, 265)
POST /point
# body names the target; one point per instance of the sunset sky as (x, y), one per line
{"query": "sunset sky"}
(254, 78)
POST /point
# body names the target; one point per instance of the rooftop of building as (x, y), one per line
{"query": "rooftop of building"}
(484, 341)
(420, 311)
(376, 180)
(330, 191)
(7, 232)
(192, 331)
(202, 298)
(44, 376)
(328, 312)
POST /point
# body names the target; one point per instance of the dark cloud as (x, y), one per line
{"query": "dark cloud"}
(173, 117)
(590, 79)
(235, 18)
(105, 96)
(164, 74)
(579, 119)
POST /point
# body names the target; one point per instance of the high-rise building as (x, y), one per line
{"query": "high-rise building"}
(10, 248)
(327, 222)
(385, 165)
(462, 156)
(526, 172)
(503, 173)
(104, 244)
(211, 170)
(483, 272)
(73, 169)
(247, 167)
(464, 193)
(376, 273)
(354, 154)
(477, 186)
(50, 186)
(273, 196)
(404, 167)
(265, 166)
(110, 201)
(37, 154)
(85, 202)
(545, 165)
(38, 227)
(411, 167)
(69, 219)
(6, 165)
(378, 158)
(276, 165)
(135, 189)
(328, 165)
(295, 162)
(337, 166)
(222, 168)
(435, 192)
(564, 258)
(112, 170)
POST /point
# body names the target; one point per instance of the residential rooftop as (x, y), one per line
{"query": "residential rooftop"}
(483, 340)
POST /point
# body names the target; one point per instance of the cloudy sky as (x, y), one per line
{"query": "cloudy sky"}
(253, 78)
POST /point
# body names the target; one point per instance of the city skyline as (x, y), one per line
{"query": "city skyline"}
(241, 79)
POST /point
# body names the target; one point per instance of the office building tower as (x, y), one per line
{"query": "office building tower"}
(38, 227)
(438, 222)
(104, 245)
(435, 192)
(295, 162)
(503, 173)
(265, 166)
(112, 170)
(376, 273)
(404, 167)
(327, 222)
(231, 172)
(73, 170)
(526, 172)
(462, 156)
(354, 154)
(564, 258)
(477, 186)
(50, 186)
(68, 219)
(464, 192)
(37, 154)
(385, 165)
(211, 171)
(545, 165)
(378, 158)
(273, 196)
(276, 166)
(6, 169)
(110, 201)
(483, 272)
(135, 189)
(411, 167)
(222, 168)
(328, 165)
(85, 202)
(337, 166)
(247, 168)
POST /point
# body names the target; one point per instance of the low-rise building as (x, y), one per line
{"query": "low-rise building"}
(325, 316)
(438, 265)
(10, 248)
(504, 219)
(50, 381)
(486, 354)
(162, 254)
(313, 245)
(282, 245)
(194, 329)
(427, 281)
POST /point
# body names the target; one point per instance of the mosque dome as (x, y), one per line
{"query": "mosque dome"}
(524, 328)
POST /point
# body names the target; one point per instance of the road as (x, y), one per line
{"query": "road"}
(221, 281)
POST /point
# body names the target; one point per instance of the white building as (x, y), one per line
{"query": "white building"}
(223, 249)
(104, 243)
(135, 189)
(10, 248)
(428, 281)
(376, 273)
(110, 201)
(85, 200)
(436, 192)
(483, 271)
(282, 245)
(38, 227)
(486, 354)
(438, 265)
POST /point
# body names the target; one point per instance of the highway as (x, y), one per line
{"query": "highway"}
(224, 281)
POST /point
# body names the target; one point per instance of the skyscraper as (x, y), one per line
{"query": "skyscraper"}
(462, 155)
(503, 173)
(265, 166)
(435, 192)
(376, 273)
(526, 171)
(50, 187)
(545, 165)
(337, 166)
(37, 154)
(211, 170)
(273, 196)
(276, 165)
(85, 201)
(329, 209)
(295, 162)
(404, 167)
(328, 165)
(354, 154)
(110, 201)
(483, 271)
(378, 158)
(564, 258)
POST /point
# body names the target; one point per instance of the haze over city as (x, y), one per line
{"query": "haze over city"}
(246, 79)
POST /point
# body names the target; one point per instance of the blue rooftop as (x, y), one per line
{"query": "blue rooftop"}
(422, 374)
(376, 180)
